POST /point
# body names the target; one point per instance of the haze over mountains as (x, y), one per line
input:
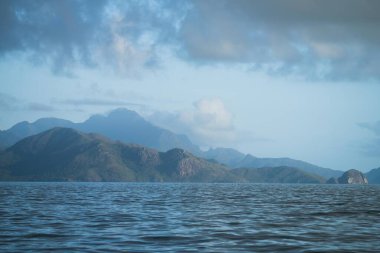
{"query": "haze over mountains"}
(128, 127)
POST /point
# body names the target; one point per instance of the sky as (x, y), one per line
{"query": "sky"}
(291, 78)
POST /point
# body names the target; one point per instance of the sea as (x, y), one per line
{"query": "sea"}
(188, 217)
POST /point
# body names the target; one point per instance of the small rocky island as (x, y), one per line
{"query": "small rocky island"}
(349, 177)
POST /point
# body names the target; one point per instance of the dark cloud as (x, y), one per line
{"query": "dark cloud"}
(64, 33)
(337, 40)
(59, 32)
(334, 40)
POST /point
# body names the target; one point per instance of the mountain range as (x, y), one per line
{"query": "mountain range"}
(120, 124)
(64, 154)
(235, 159)
(129, 127)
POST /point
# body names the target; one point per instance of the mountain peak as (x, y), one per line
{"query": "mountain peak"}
(120, 115)
(124, 113)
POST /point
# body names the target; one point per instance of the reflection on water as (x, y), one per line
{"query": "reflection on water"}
(138, 217)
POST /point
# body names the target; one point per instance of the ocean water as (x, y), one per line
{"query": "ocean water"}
(168, 217)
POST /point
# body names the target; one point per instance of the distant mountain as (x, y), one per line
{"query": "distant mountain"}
(277, 175)
(25, 129)
(374, 176)
(63, 154)
(129, 127)
(236, 159)
(250, 161)
(228, 156)
(120, 124)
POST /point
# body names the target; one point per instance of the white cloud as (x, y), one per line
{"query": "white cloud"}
(208, 123)
(209, 120)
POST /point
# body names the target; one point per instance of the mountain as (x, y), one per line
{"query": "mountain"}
(250, 161)
(228, 156)
(25, 129)
(281, 174)
(352, 177)
(63, 154)
(120, 124)
(129, 127)
(373, 176)
(236, 159)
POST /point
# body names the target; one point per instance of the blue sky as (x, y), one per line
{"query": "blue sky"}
(293, 78)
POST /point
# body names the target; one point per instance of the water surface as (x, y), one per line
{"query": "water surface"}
(165, 217)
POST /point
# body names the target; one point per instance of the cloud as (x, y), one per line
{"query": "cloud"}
(322, 40)
(336, 40)
(122, 34)
(208, 123)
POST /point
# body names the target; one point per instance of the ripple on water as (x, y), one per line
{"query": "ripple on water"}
(140, 217)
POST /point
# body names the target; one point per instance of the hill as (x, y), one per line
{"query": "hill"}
(236, 159)
(256, 162)
(129, 127)
(277, 175)
(63, 154)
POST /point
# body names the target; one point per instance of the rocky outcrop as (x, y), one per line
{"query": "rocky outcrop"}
(352, 177)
